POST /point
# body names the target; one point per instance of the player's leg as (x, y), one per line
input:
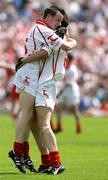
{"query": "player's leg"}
(72, 99)
(14, 97)
(25, 82)
(46, 133)
(58, 113)
(75, 111)
(58, 107)
(44, 116)
(36, 133)
(52, 124)
(45, 158)
(45, 102)
(15, 110)
(26, 159)
(26, 104)
(74, 107)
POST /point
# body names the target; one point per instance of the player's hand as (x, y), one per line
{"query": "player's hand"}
(61, 31)
(71, 42)
(19, 64)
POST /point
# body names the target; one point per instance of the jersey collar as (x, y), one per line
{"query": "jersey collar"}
(42, 23)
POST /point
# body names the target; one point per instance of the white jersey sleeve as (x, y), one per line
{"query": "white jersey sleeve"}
(47, 36)
(42, 37)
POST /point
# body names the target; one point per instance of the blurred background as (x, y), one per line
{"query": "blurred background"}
(88, 25)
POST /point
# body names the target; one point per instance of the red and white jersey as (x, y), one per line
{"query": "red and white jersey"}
(53, 67)
(71, 75)
(41, 36)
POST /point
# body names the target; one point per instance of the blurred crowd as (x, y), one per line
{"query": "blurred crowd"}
(88, 25)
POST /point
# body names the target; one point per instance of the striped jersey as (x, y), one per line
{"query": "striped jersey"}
(39, 37)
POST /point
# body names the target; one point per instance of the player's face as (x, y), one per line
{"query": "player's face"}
(55, 21)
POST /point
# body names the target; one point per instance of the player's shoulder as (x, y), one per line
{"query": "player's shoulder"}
(43, 28)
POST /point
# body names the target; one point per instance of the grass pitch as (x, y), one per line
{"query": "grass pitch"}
(85, 155)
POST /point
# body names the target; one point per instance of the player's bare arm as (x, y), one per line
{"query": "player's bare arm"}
(36, 56)
(31, 58)
(69, 44)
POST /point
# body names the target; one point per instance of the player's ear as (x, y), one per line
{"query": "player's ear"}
(49, 16)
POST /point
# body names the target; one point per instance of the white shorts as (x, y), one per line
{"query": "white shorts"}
(26, 79)
(46, 94)
(70, 96)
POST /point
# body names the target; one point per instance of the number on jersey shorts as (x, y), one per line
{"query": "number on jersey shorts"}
(26, 78)
(46, 94)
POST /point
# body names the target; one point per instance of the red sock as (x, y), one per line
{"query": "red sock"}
(55, 158)
(78, 128)
(45, 158)
(26, 149)
(18, 149)
(59, 125)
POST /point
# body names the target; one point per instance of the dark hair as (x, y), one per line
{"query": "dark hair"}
(65, 21)
(52, 10)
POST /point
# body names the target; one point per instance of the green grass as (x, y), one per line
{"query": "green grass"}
(85, 155)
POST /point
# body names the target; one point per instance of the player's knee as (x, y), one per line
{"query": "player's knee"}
(44, 129)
